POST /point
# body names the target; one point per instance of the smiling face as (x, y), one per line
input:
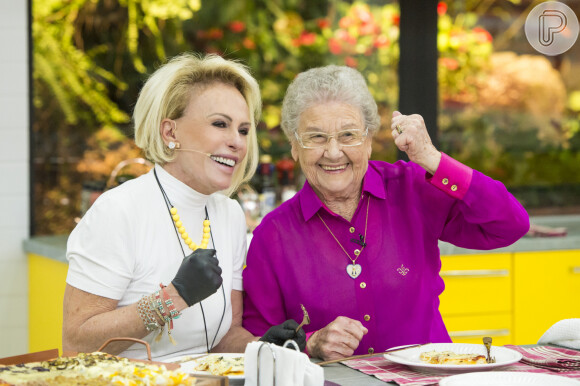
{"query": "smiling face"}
(335, 172)
(216, 121)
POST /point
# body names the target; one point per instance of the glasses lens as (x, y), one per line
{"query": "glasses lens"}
(350, 137)
(314, 139)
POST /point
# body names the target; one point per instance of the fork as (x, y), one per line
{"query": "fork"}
(305, 319)
(487, 343)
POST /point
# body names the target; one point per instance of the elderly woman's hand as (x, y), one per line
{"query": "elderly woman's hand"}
(337, 340)
(411, 136)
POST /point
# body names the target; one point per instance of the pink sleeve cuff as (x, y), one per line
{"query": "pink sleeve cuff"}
(308, 335)
(452, 177)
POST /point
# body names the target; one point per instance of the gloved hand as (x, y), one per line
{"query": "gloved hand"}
(282, 332)
(198, 277)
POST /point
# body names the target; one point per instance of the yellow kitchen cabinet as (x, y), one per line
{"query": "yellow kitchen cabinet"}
(478, 297)
(546, 289)
(46, 283)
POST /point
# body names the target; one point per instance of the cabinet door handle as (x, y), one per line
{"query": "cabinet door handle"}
(575, 269)
(467, 334)
(476, 272)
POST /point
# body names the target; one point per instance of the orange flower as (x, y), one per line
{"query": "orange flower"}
(482, 35)
(449, 63)
(345, 22)
(382, 41)
(215, 33)
(307, 38)
(249, 44)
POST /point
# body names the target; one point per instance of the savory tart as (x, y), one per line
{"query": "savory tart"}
(221, 365)
(450, 358)
(91, 369)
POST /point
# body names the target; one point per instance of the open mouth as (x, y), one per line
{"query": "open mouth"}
(333, 168)
(224, 161)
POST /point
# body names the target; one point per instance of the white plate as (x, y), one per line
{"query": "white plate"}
(507, 378)
(503, 357)
(190, 365)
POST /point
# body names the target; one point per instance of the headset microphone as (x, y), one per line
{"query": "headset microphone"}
(195, 151)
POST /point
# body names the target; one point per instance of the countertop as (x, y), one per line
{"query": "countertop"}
(54, 247)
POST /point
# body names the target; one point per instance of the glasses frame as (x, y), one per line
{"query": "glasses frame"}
(329, 137)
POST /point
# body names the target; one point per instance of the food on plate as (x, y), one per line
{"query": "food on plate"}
(91, 369)
(221, 365)
(450, 358)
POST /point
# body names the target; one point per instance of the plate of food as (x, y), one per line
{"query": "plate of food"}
(453, 357)
(507, 378)
(230, 365)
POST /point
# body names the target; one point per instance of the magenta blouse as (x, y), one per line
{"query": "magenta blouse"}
(293, 259)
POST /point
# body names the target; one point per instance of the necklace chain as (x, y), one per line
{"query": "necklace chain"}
(171, 214)
(338, 242)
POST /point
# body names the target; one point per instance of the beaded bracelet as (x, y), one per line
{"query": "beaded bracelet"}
(169, 303)
(166, 317)
(144, 313)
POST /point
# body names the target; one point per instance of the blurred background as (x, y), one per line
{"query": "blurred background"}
(503, 108)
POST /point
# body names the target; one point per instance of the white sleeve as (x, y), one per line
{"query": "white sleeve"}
(239, 246)
(99, 250)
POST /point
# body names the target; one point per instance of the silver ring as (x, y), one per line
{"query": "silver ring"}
(398, 128)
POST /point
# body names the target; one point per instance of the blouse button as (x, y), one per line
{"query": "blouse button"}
(454, 187)
(371, 350)
(445, 181)
(367, 317)
(351, 229)
(363, 285)
(357, 252)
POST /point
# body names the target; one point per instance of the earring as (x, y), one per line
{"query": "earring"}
(173, 145)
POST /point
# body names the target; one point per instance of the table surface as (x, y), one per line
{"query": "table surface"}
(345, 376)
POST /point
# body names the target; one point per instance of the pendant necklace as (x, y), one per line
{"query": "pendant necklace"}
(180, 230)
(353, 270)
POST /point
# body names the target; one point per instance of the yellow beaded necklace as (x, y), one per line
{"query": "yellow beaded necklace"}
(185, 236)
(179, 225)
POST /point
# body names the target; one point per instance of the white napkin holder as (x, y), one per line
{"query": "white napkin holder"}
(269, 365)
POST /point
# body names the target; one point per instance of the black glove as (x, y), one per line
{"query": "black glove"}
(282, 332)
(198, 277)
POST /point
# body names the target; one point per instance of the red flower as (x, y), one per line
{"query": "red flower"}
(334, 46)
(323, 23)
(441, 8)
(483, 36)
(396, 19)
(350, 61)
(307, 38)
(237, 26)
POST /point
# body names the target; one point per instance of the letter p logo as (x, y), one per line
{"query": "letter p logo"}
(551, 22)
(551, 28)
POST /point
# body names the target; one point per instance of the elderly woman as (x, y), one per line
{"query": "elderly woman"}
(358, 245)
(164, 252)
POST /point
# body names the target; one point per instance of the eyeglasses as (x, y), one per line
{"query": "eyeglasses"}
(317, 139)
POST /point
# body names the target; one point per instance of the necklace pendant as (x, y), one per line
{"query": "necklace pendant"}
(353, 270)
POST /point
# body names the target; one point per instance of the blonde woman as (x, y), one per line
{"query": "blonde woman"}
(160, 257)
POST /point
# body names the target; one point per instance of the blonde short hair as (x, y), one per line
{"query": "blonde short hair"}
(167, 93)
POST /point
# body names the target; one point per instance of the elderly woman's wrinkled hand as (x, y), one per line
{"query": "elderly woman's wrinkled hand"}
(338, 339)
(411, 136)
